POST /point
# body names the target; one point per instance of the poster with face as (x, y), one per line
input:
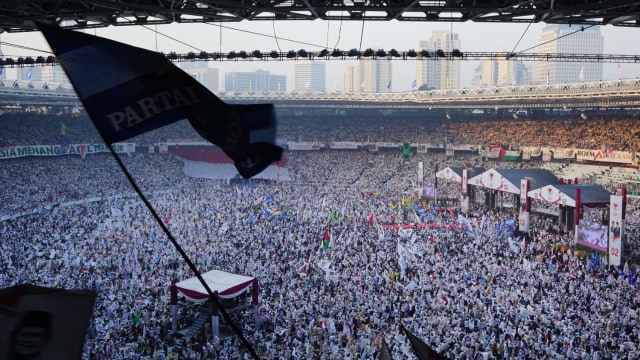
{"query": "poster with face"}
(616, 229)
(43, 323)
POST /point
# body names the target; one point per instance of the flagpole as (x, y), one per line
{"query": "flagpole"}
(162, 225)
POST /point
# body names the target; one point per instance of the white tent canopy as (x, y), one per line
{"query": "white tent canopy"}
(227, 285)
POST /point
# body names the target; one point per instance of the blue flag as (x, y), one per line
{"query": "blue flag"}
(414, 84)
(389, 85)
(128, 91)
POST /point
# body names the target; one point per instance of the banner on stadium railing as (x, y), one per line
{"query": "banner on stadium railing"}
(163, 148)
(616, 230)
(388, 145)
(511, 155)
(526, 153)
(303, 145)
(11, 152)
(621, 157)
(345, 145)
(560, 153)
(449, 152)
(463, 147)
(535, 151)
(495, 152)
(546, 154)
(422, 148)
(420, 172)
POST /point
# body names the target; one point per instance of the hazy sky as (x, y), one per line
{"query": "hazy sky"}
(316, 35)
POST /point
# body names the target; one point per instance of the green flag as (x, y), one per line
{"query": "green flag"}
(406, 151)
(136, 319)
(334, 218)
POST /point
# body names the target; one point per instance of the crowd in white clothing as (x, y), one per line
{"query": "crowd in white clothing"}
(466, 293)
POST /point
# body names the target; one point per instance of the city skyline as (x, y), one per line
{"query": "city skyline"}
(314, 36)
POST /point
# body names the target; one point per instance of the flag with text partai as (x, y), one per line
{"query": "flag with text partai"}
(128, 91)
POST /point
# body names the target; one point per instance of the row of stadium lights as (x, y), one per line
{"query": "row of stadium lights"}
(257, 54)
(323, 54)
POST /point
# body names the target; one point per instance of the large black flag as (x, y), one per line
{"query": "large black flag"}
(128, 91)
(422, 350)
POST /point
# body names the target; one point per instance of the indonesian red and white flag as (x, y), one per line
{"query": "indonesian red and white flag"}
(214, 164)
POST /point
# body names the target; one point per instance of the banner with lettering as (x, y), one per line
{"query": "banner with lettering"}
(616, 230)
(303, 145)
(12, 152)
(562, 153)
(422, 148)
(345, 145)
(388, 145)
(612, 156)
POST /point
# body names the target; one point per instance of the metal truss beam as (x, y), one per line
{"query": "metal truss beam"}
(20, 16)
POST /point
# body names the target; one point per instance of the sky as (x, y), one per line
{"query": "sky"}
(344, 35)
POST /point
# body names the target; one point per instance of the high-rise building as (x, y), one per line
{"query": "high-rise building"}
(434, 72)
(555, 39)
(310, 76)
(375, 75)
(199, 70)
(350, 80)
(501, 72)
(260, 80)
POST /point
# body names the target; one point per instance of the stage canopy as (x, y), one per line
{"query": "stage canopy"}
(508, 180)
(454, 173)
(591, 195)
(227, 285)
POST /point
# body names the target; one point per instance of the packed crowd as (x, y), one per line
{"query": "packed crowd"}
(52, 127)
(464, 293)
(468, 290)
(575, 133)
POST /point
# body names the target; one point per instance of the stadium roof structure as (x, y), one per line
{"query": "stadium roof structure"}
(18, 15)
(454, 173)
(591, 195)
(227, 285)
(508, 180)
